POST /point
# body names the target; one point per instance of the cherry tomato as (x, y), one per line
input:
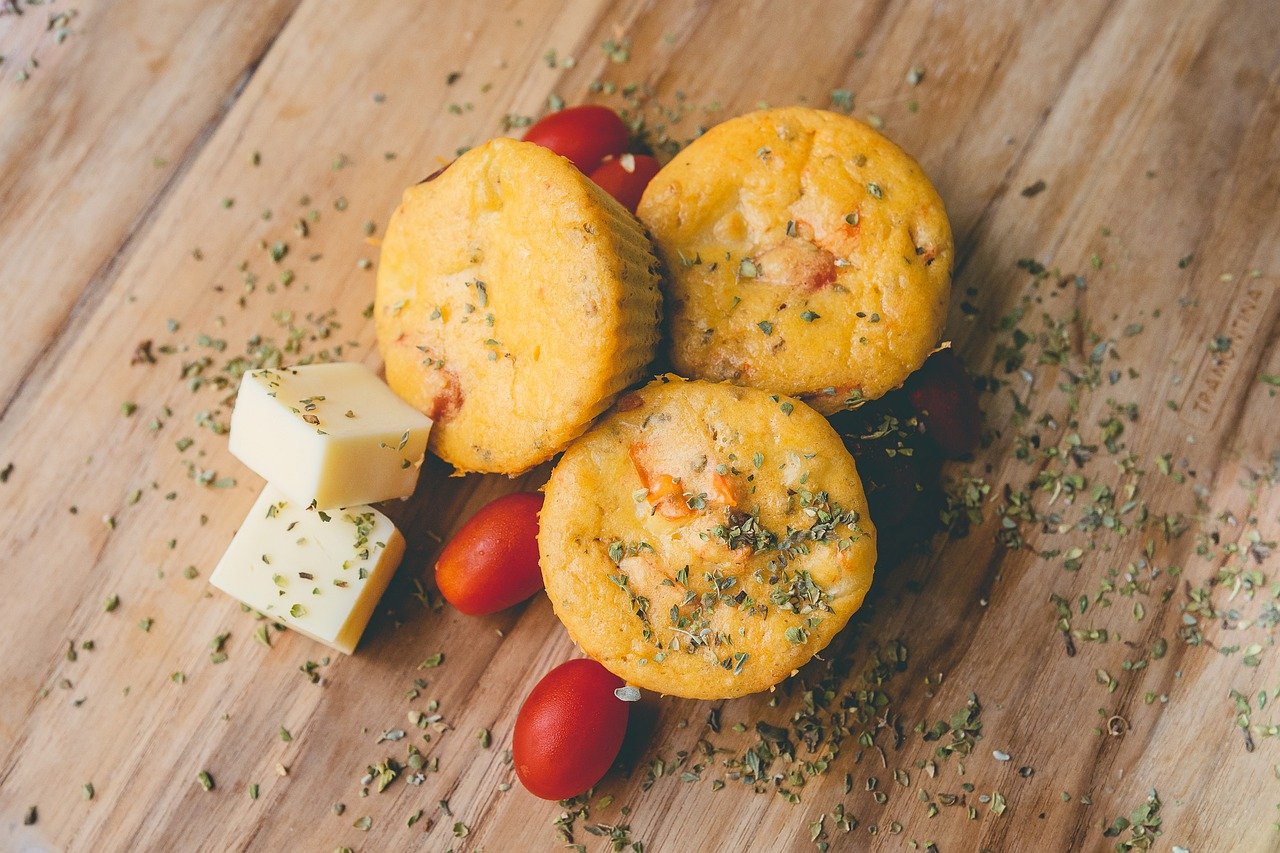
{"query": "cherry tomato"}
(585, 134)
(569, 730)
(893, 485)
(623, 183)
(942, 394)
(492, 562)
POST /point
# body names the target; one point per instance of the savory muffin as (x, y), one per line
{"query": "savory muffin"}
(808, 255)
(706, 539)
(515, 300)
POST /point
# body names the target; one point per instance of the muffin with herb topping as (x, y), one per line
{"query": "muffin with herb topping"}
(808, 255)
(706, 540)
(515, 299)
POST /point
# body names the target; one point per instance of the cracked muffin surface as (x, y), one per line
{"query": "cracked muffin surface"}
(807, 254)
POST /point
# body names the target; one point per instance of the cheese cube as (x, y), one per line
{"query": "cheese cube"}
(328, 435)
(321, 573)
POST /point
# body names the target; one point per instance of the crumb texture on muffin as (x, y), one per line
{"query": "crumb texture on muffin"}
(705, 539)
(515, 299)
(807, 255)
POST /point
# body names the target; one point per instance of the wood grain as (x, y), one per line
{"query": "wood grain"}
(93, 140)
(1155, 127)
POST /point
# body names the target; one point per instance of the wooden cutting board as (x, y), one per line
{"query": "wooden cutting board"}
(1112, 171)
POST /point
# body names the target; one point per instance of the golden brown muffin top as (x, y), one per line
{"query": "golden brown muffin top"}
(808, 255)
(514, 300)
(706, 540)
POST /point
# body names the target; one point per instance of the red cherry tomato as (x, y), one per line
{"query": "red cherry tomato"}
(586, 135)
(893, 485)
(492, 562)
(623, 183)
(942, 394)
(569, 730)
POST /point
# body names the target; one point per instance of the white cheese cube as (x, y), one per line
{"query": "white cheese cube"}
(332, 434)
(321, 573)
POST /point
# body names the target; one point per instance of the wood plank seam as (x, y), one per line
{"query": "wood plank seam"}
(965, 243)
(100, 283)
